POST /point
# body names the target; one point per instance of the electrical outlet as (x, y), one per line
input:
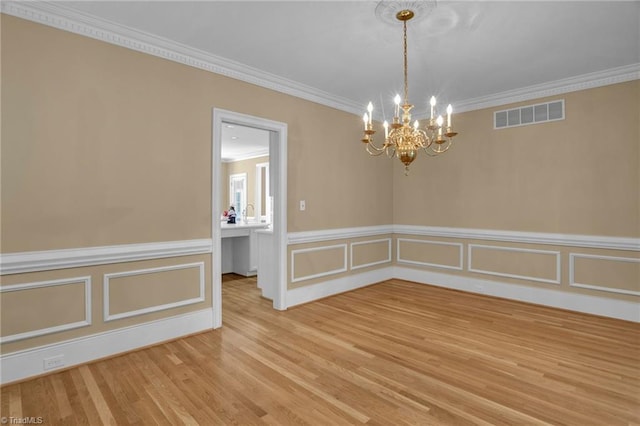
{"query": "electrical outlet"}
(53, 362)
(303, 205)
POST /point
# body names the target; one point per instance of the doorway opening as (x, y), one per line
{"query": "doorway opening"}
(267, 205)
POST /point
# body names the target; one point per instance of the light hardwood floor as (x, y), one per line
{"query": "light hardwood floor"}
(389, 354)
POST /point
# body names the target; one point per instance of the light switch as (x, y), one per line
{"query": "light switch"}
(303, 205)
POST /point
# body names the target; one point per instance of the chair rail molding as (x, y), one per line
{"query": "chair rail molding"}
(337, 234)
(33, 261)
(569, 240)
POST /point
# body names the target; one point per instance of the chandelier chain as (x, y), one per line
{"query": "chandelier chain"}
(406, 79)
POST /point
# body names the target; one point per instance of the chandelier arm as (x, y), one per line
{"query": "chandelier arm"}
(375, 147)
(376, 151)
(432, 151)
(391, 151)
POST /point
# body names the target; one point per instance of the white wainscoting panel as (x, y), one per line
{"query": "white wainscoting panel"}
(107, 277)
(343, 268)
(573, 283)
(437, 265)
(379, 262)
(556, 280)
(86, 281)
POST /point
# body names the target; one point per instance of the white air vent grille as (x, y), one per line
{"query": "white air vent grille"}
(530, 114)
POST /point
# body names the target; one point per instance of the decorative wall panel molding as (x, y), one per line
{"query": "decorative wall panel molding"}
(572, 272)
(338, 270)
(556, 254)
(33, 261)
(433, 264)
(378, 262)
(85, 281)
(106, 287)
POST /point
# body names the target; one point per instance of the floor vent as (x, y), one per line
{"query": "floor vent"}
(530, 114)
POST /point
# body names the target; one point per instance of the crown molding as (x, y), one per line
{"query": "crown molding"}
(67, 19)
(64, 18)
(553, 88)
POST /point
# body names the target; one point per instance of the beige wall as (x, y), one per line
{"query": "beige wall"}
(102, 145)
(576, 176)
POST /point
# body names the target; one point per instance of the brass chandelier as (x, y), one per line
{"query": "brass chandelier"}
(405, 139)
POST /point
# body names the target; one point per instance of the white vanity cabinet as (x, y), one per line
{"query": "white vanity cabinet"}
(240, 248)
(267, 263)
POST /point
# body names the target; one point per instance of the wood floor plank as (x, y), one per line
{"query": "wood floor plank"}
(396, 353)
(97, 396)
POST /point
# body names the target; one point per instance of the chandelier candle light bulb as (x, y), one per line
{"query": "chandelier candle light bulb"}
(404, 140)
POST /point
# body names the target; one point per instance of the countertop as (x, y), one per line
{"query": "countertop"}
(240, 224)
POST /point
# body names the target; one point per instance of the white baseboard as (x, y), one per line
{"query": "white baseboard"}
(620, 309)
(30, 362)
(313, 292)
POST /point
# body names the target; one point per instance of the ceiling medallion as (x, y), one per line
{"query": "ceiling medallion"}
(386, 10)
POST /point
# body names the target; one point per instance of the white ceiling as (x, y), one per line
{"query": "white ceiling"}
(340, 53)
(242, 142)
